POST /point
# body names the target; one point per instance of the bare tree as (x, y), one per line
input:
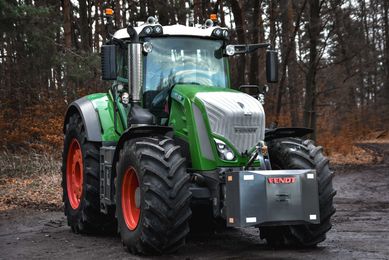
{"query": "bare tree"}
(67, 24)
(289, 56)
(310, 84)
(238, 19)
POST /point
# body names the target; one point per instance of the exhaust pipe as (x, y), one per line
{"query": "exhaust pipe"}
(137, 116)
(135, 71)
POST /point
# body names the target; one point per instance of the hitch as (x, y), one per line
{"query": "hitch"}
(260, 147)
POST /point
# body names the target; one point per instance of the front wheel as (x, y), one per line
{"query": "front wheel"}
(295, 153)
(152, 196)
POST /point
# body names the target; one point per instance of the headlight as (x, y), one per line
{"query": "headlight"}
(221, 33)
(151, 30)
(158, 29)
(148, 30)
(147, 47)
(226, 34)
(225, 153)
(217, 32)
(230, 50)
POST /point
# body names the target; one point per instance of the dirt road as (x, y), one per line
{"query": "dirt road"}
(360, 230)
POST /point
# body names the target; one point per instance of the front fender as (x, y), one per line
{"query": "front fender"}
(135, 132)
(89, 116)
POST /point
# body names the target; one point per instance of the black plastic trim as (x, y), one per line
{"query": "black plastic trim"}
(271, 134)
(139, 131)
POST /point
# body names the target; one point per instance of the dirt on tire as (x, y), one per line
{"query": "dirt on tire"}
(360, 230)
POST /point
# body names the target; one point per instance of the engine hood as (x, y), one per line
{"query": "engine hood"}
(232, 116)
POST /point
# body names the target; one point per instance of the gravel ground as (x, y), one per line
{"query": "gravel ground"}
(360, 230)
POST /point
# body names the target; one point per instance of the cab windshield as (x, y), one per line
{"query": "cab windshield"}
(176, 60)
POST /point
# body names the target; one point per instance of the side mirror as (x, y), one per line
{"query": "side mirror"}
(244, 48)
(271, 66)
(108, 62)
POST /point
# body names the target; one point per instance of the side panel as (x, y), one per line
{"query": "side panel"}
(183, 121)
(188, 118)
(103, 104)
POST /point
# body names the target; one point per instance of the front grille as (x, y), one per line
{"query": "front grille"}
(237, 117)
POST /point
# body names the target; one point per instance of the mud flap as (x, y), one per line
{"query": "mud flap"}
(279, 197)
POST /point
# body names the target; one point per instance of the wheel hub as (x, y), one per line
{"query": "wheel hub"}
(131, 198)
(74, 174)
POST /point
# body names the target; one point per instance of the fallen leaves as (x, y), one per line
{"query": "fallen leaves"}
(30, 180)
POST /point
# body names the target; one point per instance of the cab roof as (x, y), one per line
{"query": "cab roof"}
(177, 29)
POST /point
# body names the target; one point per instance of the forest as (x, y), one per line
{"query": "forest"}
(333, 56)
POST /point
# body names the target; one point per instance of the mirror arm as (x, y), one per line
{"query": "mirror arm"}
(254, 47)
(246, 48)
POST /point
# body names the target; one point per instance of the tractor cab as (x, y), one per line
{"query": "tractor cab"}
(149, 60)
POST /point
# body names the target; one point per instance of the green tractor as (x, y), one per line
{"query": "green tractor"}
(172, 147)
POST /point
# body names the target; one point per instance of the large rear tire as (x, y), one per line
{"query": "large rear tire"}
(295, 153)
(80, 181)
(152, 196)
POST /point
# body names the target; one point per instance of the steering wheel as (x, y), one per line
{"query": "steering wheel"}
(160, 99)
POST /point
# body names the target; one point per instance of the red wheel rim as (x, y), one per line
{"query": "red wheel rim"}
(131, 198)
(74, 173)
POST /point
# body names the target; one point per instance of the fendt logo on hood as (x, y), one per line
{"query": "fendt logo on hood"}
(279, 180)
(246, 112)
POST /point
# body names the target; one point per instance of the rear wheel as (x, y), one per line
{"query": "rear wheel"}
(152, 196)
(294, 153)
(80, 181)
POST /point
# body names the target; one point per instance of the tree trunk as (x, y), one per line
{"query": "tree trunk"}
(67, 24)
(163, 12)
(143, 15)
(84, 26)
(310, 84)
(253, 78)
(124, 13)
(97, 32)
(151, 8)
(198, 11)
(117, 14)
(288, 55)
(386, 23)
(272, 22)
(293, 72)
(238, 18)
(181, 11)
